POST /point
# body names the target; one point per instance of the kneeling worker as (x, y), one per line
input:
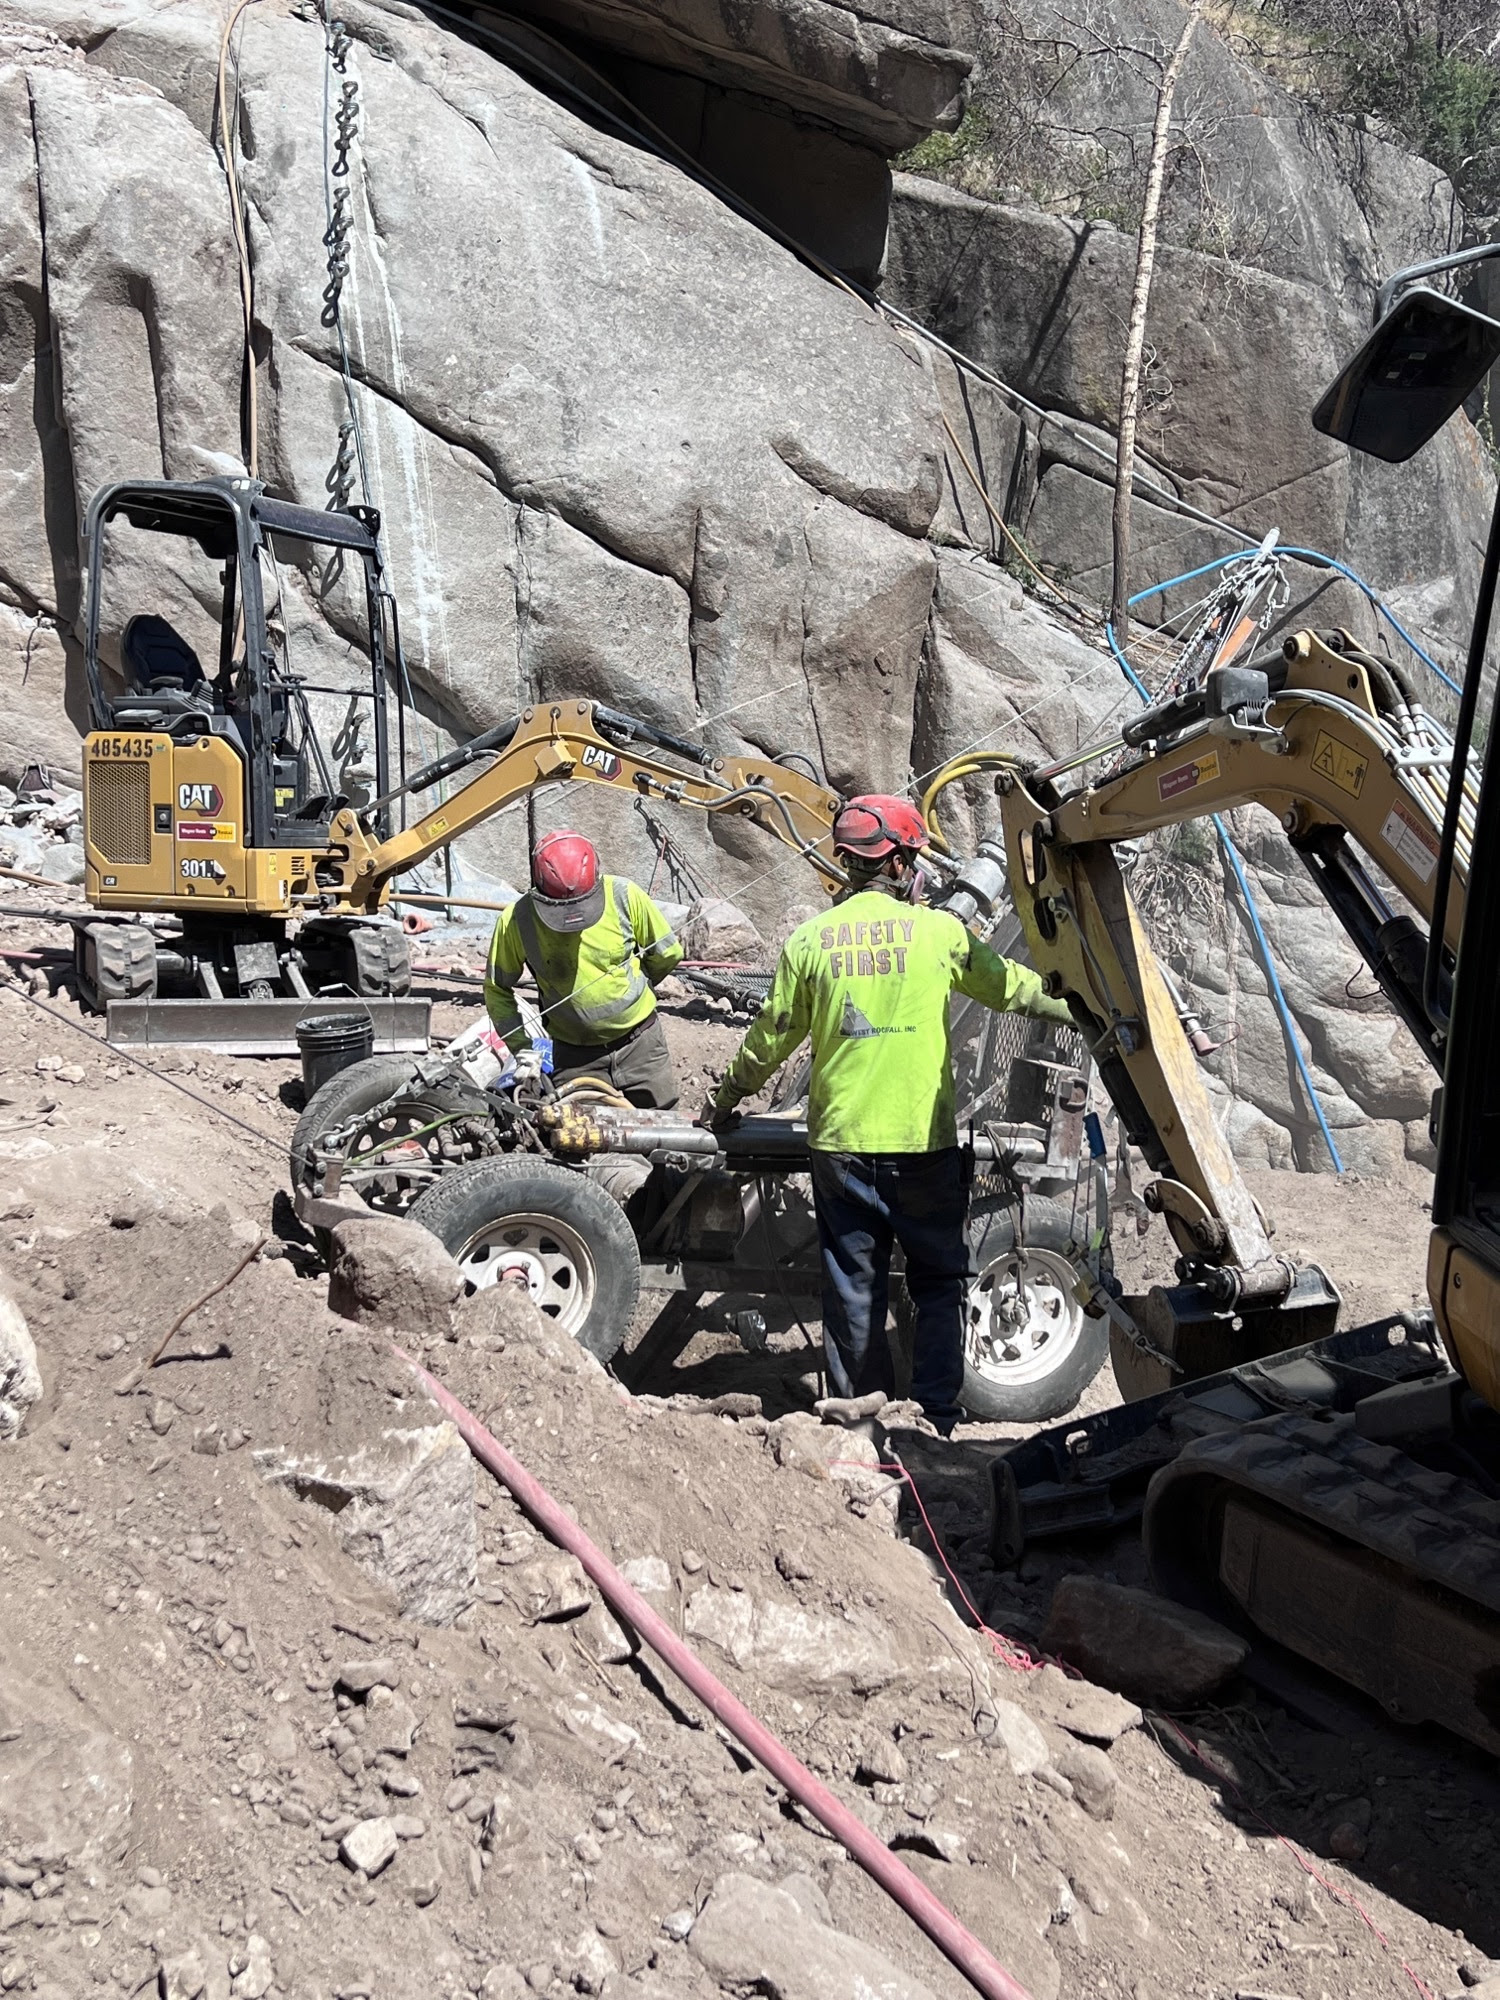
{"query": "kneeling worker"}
(596, 945)
(870, 983)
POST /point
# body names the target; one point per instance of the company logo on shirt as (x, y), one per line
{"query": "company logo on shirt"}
(865, 950)
(856, 1026)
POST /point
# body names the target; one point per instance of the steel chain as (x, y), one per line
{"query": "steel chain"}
(346, 130)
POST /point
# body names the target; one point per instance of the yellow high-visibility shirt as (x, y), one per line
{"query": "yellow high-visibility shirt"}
(593, 985)
(870, 983)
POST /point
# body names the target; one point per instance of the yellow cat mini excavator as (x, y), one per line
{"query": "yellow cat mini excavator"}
(1340, 1497)
(258, 809)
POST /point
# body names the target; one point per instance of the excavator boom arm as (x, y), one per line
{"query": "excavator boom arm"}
(570, 741)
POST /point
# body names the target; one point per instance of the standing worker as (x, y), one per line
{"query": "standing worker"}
(597, 946)
(870, 983)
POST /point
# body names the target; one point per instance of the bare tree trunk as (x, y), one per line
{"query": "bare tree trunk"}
(1135, 338)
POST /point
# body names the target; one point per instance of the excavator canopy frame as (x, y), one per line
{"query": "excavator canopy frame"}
(235, 522)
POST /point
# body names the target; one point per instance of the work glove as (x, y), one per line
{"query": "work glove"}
(1048, 1009)
(719, 1113)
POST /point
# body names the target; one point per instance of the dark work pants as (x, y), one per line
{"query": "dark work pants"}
(864, 1203)
(639, 1065)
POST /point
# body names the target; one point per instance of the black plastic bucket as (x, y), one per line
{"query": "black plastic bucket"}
(328, 1043)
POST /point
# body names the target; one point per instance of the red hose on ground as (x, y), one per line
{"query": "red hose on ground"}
(983, 1972)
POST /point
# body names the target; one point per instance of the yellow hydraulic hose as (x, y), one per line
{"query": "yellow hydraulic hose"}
(968, 765)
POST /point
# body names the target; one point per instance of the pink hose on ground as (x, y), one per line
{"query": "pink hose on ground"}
(982, 1971)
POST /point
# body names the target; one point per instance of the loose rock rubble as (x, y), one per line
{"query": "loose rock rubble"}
(42, 833)
(319, 1715)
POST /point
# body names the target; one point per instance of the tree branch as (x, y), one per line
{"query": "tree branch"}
(1135, 337)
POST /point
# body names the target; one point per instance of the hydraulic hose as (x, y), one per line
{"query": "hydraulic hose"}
(962, 1949)
(969, 765)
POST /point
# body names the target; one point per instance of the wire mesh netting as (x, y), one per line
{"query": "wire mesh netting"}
(745, 986)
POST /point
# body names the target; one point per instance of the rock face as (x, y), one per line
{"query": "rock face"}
(625, 445)
(1258, 180)
(890, 73)
(1042, 300)
(667, 465)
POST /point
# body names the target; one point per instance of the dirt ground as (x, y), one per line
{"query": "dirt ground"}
(203, 1693)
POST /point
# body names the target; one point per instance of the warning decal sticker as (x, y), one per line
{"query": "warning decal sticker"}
(1344, 767)
(1406, 837)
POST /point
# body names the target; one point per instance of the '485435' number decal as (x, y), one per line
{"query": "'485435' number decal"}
(122, 746)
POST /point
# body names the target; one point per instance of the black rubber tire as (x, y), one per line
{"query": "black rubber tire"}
(1083, 1343)
(372, 960)
(472, 1199)
(360, 1088)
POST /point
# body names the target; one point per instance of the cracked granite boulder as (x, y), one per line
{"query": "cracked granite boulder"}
(623, 444)
(626, 446)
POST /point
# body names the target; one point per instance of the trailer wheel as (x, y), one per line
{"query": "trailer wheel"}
(525, 1221)
(388, 1164)
(1030, 1348)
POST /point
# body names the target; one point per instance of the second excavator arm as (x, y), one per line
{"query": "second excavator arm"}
(1327, 739)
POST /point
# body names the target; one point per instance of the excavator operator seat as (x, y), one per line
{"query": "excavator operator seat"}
(156, 655)
(164, 675)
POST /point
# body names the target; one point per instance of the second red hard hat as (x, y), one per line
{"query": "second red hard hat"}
(877, 824)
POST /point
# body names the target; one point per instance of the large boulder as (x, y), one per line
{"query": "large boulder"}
(753, 1937)
(623, 443)
(390, 1272)
(403, 1509)
(20, 1378)
(1144, 1646)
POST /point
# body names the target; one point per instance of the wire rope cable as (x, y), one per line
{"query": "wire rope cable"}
(241, 238)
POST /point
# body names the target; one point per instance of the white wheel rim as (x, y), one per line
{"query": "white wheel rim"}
(1022, 1320)
(399, 1175)
(551, 1258)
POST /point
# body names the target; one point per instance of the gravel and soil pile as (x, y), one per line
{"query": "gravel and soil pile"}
(232, 1764)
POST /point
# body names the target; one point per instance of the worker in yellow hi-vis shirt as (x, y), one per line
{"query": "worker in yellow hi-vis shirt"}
(597, 947)
(870, 984)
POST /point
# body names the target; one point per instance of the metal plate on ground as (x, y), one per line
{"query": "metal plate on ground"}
(261, 1027)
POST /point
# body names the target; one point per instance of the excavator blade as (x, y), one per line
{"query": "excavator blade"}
(260, 1027)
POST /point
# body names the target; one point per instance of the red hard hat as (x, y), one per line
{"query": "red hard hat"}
(567, 887)
(877, 824)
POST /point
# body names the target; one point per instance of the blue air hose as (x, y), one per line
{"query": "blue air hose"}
(1320, 561)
